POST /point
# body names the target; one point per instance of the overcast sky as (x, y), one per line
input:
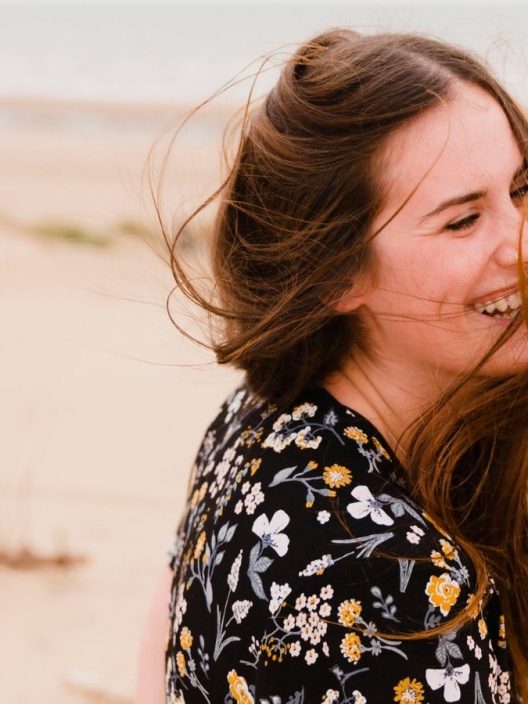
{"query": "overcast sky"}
(371, 3)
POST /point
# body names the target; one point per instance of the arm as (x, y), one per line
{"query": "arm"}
(150, 680)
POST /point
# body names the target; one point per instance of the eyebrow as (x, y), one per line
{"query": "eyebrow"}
(475, 195)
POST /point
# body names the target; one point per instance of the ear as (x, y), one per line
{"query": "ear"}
(349, 302)
(355, 296)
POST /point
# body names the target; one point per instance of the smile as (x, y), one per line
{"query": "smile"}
(504, 307)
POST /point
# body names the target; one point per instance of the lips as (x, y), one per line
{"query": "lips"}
(494, 296)
(504, 305)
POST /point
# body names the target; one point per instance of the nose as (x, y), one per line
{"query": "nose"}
(514, 226)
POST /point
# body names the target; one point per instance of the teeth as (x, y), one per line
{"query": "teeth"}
(500, 305)
(514, 301)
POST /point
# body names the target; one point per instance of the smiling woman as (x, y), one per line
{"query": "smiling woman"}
(356, 527)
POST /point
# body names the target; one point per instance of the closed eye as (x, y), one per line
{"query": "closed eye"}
(467, 222)
(463, 224)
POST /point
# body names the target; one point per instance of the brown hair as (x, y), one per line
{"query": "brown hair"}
(292, 233)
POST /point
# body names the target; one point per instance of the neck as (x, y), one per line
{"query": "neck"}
(387, 396)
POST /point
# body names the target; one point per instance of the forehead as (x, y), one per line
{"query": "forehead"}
(463, 145)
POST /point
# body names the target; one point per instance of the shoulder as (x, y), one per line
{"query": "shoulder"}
(317, 482)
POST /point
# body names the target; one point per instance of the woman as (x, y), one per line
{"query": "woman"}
(356, 527)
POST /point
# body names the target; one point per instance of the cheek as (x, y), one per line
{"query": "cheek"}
(437, 272)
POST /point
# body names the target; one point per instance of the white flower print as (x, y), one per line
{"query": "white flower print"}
(326, 592)
(325, 610)
(300, 602)
(305, 444)
(232, 578)
(412, 537)
(367, 505)
(279, 592)
(449, 678)
(311, 656)
(234, 405)
(499, 681)
(317, 566)
(306, 632)
(289, 623)
(252, 489)
(281, 422)
(269, 532)
(301, 619)
(295, 649)
(220, 472)
(312, 602)
(306, 409)
(370, 629)
(331, 695)
(209, 468)
(253, 499)
(278, 442)
(376, 647)
(180, 607)
(240, 609)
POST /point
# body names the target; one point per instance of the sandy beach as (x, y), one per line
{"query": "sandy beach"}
(104, 403)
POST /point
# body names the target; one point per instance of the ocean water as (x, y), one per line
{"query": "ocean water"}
(183, 52)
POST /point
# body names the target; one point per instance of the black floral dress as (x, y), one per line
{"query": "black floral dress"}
(299, 560)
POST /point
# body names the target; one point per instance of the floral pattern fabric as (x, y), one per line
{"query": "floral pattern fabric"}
(301, 559)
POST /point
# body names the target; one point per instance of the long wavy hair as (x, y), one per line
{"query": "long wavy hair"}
(292, 231)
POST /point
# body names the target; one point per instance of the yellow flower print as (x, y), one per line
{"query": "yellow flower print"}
(254, 465)
(238, 688)
(198, 494)
(312, 465)
(337, 476)
(449, 550)
(186, 639)
(203, 491)
(250, 436)
(473, 610)
(443, 592)
(502, 632)
(349, 611)
(483, 629)
(379, 447)
(350, 647)
(274, 649)
(409, 691)
(356, 434)
(199, 545)
(437, 559)
(180, 662)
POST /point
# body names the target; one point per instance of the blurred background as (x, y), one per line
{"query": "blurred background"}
(103, 403)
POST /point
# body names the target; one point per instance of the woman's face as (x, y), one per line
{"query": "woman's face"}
(453, 246)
